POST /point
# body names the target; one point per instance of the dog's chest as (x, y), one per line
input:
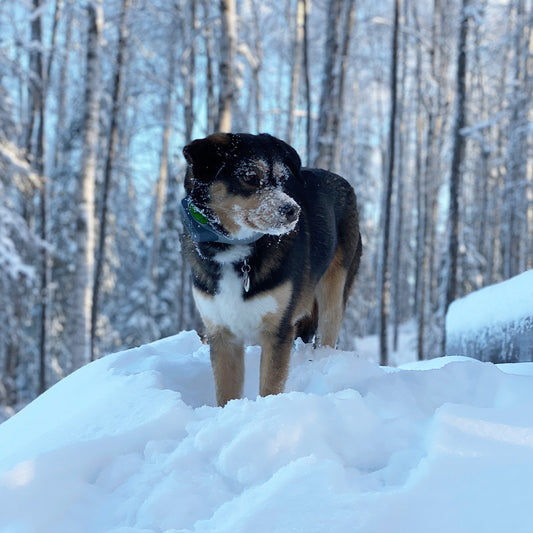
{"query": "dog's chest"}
(228, 308)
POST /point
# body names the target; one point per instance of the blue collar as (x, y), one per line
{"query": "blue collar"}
(201, 230)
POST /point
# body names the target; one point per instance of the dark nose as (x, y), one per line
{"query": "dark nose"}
(289, 211)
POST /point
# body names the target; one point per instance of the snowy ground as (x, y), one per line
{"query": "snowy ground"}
(132, 444)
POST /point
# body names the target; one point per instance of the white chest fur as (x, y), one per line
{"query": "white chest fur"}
(228, 308)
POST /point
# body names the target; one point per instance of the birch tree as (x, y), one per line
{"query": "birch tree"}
(228, 44)
(81, 303)
(210, 98)
(297, 63)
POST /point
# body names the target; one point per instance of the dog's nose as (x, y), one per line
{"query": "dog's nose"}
(290, 211)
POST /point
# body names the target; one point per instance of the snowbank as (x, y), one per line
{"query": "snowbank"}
(132, 444)
(495, 323)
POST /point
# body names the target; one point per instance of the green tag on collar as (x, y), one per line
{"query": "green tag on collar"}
(197, 215)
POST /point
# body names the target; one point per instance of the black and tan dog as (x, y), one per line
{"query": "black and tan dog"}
(274, 249)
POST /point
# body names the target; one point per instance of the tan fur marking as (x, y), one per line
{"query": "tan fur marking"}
(223, 204)
(275, 355)
(274, 369)
(220, 138)
(227, 361)
(329, 295)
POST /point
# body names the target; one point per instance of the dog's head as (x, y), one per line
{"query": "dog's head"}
(238, 181)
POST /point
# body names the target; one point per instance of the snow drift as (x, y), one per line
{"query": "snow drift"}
(133, 444)
(495, 323)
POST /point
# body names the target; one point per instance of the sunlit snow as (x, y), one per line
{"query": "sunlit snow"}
(133, 443)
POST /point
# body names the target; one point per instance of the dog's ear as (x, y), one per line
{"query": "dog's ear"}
(205, 157)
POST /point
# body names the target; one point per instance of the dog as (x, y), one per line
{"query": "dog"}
(274, 249)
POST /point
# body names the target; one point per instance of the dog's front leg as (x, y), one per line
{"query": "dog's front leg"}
(227, 361)
(275, 356)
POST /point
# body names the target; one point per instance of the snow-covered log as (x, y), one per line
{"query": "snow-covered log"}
(495, 323)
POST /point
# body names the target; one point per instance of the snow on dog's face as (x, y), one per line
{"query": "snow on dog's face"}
(256, 202)
(238, 180)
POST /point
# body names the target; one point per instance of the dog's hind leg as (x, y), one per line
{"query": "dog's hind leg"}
(307, 325)
(275, 356)
(227, 361)
(331, 302)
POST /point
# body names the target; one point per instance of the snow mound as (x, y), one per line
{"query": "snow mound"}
(132, 443)
(503, 302)
(494, 323)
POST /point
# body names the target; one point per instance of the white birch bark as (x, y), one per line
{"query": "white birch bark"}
(81, 301)
(228, 45)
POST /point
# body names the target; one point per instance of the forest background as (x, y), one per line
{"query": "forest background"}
(426, 107)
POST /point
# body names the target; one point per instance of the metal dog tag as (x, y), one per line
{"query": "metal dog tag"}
(246, 275)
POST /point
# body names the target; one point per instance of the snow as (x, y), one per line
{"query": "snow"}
(132, 443)
(494, 323)
(502, 303)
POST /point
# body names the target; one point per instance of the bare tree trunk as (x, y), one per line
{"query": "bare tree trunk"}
(185, 277)
(57, 17)
(188, 71)
(62, 91)
(307, 79)
(81, 303)
(210, 102)
(228, 44)
(529, 170)
(457, 159)
(45, 258)
(298, 49)
(108, 171)
(324, 151)
(435, 135)
(498, 204)
(515, 192)
(162, 180)
(347, 30)
(482, 182)
(256, 64)
(341, 16)
(421, 209)
(37, 112)
(384, 281)
(400, 205)
(11, 369)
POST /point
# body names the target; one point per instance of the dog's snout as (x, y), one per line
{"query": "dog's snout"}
(290, 211)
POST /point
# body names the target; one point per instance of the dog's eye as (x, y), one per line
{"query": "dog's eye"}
(250, 178)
